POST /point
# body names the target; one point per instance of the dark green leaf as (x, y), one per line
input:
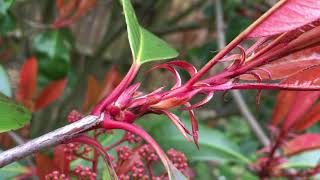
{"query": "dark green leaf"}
(145, 46)
(5, 87)
(52, 49)
(7, 23)
(12, 115)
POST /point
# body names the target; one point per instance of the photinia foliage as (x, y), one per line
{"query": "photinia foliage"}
(284, 56)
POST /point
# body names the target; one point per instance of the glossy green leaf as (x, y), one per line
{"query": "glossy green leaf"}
(213, 144)
(145, 46)
(5, 5)
(307, 159)
(5, 87)
(52, 49)
(12, 115)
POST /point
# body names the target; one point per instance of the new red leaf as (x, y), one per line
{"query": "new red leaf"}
(28, 82)
(286, 16)
(50, 93)
(284, 102)
(71, 11)
(302, 143)
(309, 78)
(93, 93)
(288, 65)
(45, 165)
(304, 100)
(312, 117)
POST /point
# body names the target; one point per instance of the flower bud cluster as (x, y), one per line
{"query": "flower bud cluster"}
(148, 153)
(85, 173)
(178, 159)
(56, 175)
(74, 116)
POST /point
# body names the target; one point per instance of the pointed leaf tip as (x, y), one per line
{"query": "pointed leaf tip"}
(145, 46)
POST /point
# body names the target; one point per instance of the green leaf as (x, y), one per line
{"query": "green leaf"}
(12, 115)
(213, 144)
(307, 159)
(5, 87)
(5, 5)
(52, 49)
(145, 46)
(12, 170)
(7, 23)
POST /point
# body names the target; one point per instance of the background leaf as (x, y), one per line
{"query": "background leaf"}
(12, 170)
(144, 45)
(50, 93)
(308, 159)
(12, 115)
(28, 83)
(213, 144)
(5, 87)
(52, 49)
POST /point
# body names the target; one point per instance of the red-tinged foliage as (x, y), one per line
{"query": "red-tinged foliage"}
(96, 91)
(289, 15)
(309, 119)
(44, 165)
(307, 78)
(284, 102)
(61, 162)
(93, 93)
(288, 65)
(28, 82)
(50, 93)
(302, 143)
(301, 105)
(71, 11)
(111, 80)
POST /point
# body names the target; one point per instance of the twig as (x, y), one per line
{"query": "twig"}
(242, 105)
(19, 141)
(50, 139)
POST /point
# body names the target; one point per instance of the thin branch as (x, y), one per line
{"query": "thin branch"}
(19, 141)
(50, 139)
(241, 103)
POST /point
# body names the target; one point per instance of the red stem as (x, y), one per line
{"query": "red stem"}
(118, 90)
(110, 124)
(94, 143)
(233, 44)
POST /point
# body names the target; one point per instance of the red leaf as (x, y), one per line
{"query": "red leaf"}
(50, 93)
(60, 159)
(302, 143)
(45, 165)
(288, 65)
(289, 15)
(111, 80)
(28, 82)
(93, 93)
(312, 117)
(307, 78)
(71, 11)
(304, 100)
(284, 102)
